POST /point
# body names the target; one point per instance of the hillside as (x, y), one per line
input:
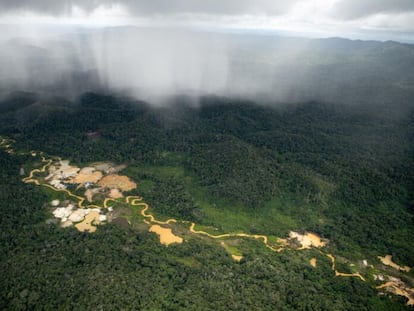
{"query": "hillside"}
(343, 172)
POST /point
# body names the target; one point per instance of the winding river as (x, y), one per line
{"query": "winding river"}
(166, 235)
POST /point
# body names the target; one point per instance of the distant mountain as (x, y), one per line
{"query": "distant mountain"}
(158, 62)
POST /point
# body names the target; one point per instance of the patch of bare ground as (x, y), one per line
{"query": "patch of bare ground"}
(88, 224)
(115, 193)
(398, 287)
(237, 258)
(87, 175)
(387, 260)
(166, 235)
(307, 240)
(117, 181)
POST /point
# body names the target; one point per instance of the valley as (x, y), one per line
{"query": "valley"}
(307, 201)
(207, 155)
(88, 218)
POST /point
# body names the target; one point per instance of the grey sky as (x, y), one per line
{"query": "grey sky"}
(345, 18)
(42, 47)
(343, 8)
(227, 7)
(352, 9)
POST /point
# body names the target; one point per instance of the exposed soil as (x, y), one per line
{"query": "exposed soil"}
(397, 287)
(115, 193)
(117, 181)
(166, 235)
(88, 223)
(87, 176)
(307, 240)
(236, 257)
(387, 260)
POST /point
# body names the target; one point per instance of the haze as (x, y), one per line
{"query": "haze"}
(230, 48)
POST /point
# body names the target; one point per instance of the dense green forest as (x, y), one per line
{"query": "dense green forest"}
(344, 172)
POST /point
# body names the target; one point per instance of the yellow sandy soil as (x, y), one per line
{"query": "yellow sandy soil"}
(387, 260)
(136, 201)
(358, 275)
(313, 262)
(84, 177)
(307, 240)
(115, 193)
(283, 242)
(117, 181)
(30, 179)
(72, 170)
(66, 224)
(105, 204)
(87, 170)
(332, 258)
(166, 235)
(399, 288)
(337, 273)
(89, 195)
(102, 166)
(243, 235)
(67, 169)
(236, 257)
(88, 223)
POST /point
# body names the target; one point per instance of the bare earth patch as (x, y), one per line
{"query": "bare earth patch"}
(115, 193)
(102, 166)
(337, 273)
(313, 262)
(237, 258)
(387, 260)
(67, 170)
(66, 224)
(397, 287)
(117, 181)
(87, 176)
(307, 240)
(166, 235)
(88, 223)
(89, 193)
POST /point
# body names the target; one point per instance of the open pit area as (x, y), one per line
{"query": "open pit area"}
(88, 224)
(115, 181)
(87, 175)
(387, 260)
(82, 218)
(97, 178)
(307, 240)
(397, 287)
(166, 235)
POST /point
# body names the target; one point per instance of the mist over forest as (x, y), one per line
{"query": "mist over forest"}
(153, 63)
(207, 155)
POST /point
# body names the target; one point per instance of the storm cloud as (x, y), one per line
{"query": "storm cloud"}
(345, 9)
(353, 9)
(142, 7)
(344, 18)
(57, 55)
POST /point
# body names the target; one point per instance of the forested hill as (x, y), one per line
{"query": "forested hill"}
(344, 172)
